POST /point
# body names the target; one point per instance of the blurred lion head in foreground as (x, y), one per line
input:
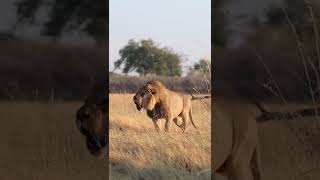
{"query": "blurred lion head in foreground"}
(91, 120)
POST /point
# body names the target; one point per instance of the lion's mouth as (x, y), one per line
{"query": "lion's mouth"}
(139, 107)
(95, 146)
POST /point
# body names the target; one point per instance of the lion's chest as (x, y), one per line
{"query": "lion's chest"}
(157, 112)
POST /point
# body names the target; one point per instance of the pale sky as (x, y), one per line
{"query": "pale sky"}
(184, 25)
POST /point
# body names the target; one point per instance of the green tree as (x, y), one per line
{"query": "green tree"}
(203, 66)
(66, 16)
(297, 11)
(146, 57)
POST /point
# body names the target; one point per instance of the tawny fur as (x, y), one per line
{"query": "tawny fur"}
(92, 122)
(235, 140)
(162, 103)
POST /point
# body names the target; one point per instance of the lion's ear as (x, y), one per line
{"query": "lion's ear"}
(150, 89)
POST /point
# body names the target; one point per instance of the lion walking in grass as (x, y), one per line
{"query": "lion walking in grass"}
(162, 103)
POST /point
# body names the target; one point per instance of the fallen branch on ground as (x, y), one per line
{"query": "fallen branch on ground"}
(267, 116)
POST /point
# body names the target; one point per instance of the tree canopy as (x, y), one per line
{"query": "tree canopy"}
(66, 16)
(146, 57)
(202, 66)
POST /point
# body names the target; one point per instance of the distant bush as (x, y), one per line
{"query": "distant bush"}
(240, 72)
(31, 70)
(130, 84)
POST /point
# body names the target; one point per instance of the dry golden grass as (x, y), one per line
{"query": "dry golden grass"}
(137, 151)
(40, 141)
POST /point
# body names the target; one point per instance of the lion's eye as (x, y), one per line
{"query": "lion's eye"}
(85, 115)
(84, 131)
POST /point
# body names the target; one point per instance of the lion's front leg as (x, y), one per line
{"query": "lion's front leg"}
(168, 124)
(157, 124)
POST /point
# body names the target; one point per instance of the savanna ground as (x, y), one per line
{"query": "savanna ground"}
(137, 151)
(40, 141)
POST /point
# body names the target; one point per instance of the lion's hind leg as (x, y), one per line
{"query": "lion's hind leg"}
(241, 172)
(185, 121)
(242, 165)
(256, 164)
(178, 122)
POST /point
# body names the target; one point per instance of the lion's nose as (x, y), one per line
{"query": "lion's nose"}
(79, 123)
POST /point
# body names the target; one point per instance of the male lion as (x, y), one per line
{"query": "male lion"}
(92, 123)
(162, 103)
(92, 120)
(235, 140)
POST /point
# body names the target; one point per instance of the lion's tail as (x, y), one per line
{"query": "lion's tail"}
(256, 164)
(190, 114)
(199, 97)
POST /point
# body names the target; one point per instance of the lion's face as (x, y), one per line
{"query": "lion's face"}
(92, 124)
(145, 98)
(137, 100)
